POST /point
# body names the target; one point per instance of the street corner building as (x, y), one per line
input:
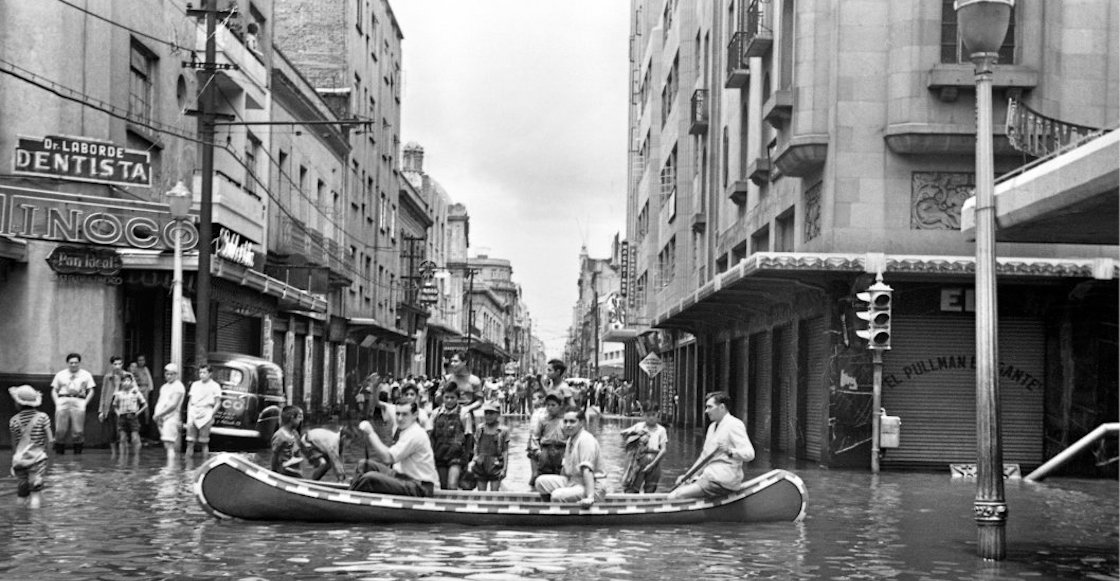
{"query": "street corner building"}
(330, 251)
(784, 155)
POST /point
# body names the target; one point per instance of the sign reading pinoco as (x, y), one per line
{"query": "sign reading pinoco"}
(82, 159)
(44, 215)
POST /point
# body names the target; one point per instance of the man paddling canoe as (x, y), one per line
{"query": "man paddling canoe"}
(719, 470)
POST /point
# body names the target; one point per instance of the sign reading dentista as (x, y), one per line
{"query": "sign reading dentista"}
(76, 218)
(82, 159)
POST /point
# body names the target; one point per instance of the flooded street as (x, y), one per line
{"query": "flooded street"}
(106, 521)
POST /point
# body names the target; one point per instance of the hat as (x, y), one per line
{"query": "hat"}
(26, 395)
(171, 368)
(491, 407)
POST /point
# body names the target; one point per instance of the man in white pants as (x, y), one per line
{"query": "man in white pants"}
(582, 475)
(166, 414)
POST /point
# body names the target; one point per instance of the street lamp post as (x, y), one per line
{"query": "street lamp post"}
(983, 25)
(179, 199)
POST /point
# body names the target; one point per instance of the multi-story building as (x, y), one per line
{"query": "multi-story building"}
(350, 51)
(94, 108)
(437, 299)
(785, 155)
(596, 314)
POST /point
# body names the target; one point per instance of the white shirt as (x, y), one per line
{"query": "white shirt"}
(412, 455)
(170, 399)
(202, 401)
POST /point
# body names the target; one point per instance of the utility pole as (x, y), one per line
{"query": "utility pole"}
(595, 314)
(470, 272)
(206, 134)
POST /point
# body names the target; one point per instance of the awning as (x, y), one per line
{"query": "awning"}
(622, 334)
(359, 326)
(13, 249)
(443, 329)
(290, 297)
(765, 279)
(478, 346)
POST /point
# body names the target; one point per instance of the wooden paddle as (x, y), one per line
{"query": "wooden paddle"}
(702, 463)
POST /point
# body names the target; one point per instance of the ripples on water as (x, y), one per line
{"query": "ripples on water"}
(105, 520)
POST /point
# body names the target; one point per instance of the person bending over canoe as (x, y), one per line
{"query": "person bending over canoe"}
(408, 468)
(719, 471)
(582, 477)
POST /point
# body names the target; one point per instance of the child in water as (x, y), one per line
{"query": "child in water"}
(31, 434)
(287, 445)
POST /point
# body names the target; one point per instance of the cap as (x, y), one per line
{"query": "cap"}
(171, 367)
(491, 407)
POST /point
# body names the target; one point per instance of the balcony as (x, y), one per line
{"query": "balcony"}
(802, 155)
(737, 192)
(250, 74)
(759, 36)
(778, 109)
(699, 113)
(758, 170)
(233, 207)
(949, 80)
(738, 71)
(699, 222)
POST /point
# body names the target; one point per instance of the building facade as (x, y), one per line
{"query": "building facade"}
(350, 51)
(99, 133)
(783, 155)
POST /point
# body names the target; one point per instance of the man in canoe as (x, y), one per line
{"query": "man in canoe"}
(719, 471)
(407, 468)
(583, 474)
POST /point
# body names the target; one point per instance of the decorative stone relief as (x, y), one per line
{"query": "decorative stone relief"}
(936, 199)
(813, 212)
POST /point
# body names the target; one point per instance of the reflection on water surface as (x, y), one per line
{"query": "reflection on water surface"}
(105, 520)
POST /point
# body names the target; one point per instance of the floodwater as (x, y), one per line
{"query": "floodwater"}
(105, 520)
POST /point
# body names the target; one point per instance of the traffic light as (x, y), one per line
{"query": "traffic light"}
(877, 314)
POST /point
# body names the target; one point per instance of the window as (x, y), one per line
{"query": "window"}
(643, 91)
(667, 17)
(252, 154)
(726, 155)
(669, 182)
(640, 287)
(642, 225)
(760, 240)
(141, 74)
(784, 224)
(952, 49)
(669, 93)
(358, 16)
(667, 263)
(382, 210)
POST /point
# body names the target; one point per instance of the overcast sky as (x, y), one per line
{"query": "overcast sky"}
(521, 107)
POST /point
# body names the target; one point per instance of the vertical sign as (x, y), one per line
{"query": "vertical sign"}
(624, 284)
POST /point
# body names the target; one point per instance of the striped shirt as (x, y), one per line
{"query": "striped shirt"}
(38, 422)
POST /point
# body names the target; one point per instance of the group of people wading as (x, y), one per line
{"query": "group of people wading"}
(412, 451)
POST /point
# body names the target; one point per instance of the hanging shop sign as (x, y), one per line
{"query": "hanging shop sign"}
(231, 246)
(624, 267)
(82, 159)
(86, 263)
(85, 219)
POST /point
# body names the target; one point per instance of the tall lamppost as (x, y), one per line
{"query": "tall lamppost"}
(983, 25)
(179, 199)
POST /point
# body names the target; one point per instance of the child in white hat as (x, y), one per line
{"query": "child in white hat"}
(31, 434)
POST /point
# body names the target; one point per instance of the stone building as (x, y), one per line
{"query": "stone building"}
(784, 154)
(350, 51)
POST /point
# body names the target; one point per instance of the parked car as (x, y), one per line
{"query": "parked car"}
(252, 396)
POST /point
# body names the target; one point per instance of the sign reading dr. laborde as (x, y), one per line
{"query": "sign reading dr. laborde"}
(82, 159)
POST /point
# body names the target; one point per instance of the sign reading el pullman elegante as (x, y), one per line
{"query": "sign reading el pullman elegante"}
(82, 159)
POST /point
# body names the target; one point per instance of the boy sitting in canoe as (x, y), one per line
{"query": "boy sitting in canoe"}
(324, 450)
(726, 448)
(286, 443)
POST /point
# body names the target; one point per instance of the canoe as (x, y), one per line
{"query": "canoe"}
(231, 486)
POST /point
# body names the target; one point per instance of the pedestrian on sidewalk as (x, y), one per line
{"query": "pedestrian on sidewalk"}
(71, 390)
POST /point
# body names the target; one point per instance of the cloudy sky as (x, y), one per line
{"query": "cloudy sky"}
(521, 107)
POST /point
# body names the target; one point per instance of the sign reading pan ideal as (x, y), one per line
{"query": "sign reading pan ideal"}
(82, 159)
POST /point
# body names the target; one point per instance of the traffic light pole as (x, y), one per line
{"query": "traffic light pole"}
(876, 405)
